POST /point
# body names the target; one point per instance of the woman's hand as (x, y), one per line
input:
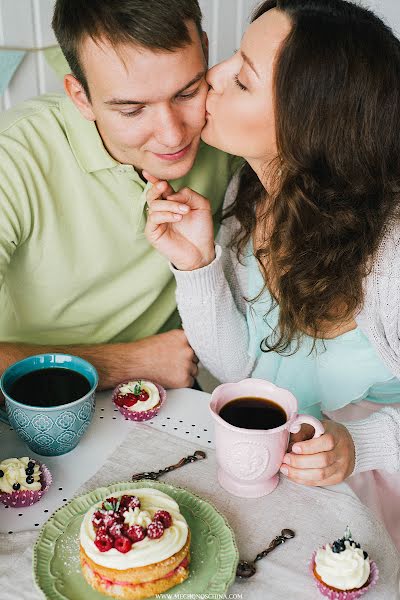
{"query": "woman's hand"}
(179, 225)
(326, 460)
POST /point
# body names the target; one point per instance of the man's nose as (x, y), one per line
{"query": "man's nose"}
(171, 129)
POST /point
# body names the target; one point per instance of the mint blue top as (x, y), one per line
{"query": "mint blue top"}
(338, 371)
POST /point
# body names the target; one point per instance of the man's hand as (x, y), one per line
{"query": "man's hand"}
(180, 225)
(326, 460)
(167, 358)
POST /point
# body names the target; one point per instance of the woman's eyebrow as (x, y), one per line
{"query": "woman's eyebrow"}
(249, 62)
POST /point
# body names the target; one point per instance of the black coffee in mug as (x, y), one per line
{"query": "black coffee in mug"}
(49, 387)
(253, 413)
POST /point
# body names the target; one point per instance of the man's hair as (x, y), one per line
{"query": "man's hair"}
(154, 24)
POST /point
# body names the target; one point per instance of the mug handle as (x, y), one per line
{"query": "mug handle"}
(300, 419)
(3, 416)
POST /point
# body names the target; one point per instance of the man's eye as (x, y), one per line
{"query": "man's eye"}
(190, 95)
(133, 113)
(239, 83)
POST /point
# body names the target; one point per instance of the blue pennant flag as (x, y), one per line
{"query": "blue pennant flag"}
(9, 63)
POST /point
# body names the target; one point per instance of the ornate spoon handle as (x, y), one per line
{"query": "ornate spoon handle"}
(198, 455)
(246, 568)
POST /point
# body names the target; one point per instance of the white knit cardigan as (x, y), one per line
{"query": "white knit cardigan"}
(213, 310)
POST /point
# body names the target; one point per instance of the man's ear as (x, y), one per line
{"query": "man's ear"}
(77, 94)
(205, 44)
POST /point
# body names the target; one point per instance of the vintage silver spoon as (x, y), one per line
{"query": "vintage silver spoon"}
(246, 569)
(198, 455)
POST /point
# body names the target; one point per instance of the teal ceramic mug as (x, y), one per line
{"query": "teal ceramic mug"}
(56, 425)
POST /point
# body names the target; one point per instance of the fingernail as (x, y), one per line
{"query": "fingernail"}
(284, 470)
(297, 449)
(183, 208)
(160, 185)
(286, 459)
(177, 217)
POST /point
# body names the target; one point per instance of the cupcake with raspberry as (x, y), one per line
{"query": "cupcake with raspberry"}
(23, 481)
(135, 544)
(139, 400)
(343, 570)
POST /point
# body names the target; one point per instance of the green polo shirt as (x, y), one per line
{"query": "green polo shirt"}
(75, 265)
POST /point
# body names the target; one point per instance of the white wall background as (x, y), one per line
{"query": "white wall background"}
(26, 23)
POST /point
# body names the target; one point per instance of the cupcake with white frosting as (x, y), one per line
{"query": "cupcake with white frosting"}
(23, 481)
(343, 570)
(139, 400)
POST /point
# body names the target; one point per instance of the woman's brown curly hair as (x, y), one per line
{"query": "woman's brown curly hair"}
(337, 173)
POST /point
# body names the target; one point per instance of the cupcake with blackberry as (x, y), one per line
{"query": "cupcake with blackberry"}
(23, 481)
(343, 570)
(139, 400)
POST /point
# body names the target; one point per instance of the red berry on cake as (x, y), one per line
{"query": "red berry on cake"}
(155, 530)
(122, 544)
(143, 396)
(98, 519)
(115, 529)
(128, 502)
(103, 542)
(136, 533)
(164, 517)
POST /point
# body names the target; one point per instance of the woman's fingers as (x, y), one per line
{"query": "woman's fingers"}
(157, 218)
(310, 461)
(312, 476)
(160, 189)
(324, 443)
(168, 206)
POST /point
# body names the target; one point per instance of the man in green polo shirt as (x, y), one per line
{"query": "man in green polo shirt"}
(76, 272)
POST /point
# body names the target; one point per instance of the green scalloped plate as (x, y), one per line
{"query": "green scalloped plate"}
(214, 554)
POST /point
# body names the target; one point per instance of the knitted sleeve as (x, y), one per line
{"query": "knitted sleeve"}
(212, 307)
(377, 441)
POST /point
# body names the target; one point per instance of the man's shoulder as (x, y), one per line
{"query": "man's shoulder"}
(214, 159)
(42, 108)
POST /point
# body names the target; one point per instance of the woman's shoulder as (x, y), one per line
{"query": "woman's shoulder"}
(387, 259)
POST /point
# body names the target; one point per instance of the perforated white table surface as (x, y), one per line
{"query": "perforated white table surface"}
(185, 414)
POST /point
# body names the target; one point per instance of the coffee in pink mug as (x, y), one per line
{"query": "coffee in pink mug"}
(249, 459)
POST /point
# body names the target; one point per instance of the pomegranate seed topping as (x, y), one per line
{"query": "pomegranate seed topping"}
(122, 544)
(155, 530)
(136, 533)
(163, 516)
(103, 543)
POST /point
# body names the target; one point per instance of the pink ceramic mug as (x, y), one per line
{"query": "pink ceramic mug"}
(249, 459)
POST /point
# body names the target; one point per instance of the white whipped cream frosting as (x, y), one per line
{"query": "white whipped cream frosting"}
(147, 386)
(147, 551)
(345, 570)
(14, 472)
(137, 517)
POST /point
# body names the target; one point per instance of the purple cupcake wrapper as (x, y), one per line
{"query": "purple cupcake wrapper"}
(342, 595)
(28, 497)
(134, 415)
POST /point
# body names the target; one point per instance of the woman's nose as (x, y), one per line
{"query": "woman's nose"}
(215, 78)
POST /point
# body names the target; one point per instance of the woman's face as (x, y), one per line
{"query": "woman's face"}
(240, 113)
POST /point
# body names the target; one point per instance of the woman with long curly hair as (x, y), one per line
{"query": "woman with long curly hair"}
(303, 287)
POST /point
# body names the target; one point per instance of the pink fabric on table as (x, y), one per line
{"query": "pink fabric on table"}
(378, 489)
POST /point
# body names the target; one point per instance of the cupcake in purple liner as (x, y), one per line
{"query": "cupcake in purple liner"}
(139, 400)
(23, 481)
(342, 570)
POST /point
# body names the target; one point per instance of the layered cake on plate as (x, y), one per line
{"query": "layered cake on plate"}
(135, 544)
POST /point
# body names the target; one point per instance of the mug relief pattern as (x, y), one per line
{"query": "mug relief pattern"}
(247, 460)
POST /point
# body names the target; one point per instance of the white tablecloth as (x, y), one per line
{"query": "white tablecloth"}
(317, 515)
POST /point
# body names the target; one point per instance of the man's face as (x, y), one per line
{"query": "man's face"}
(149, 106)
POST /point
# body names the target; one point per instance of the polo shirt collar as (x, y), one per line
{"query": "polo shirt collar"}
(85, 140)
